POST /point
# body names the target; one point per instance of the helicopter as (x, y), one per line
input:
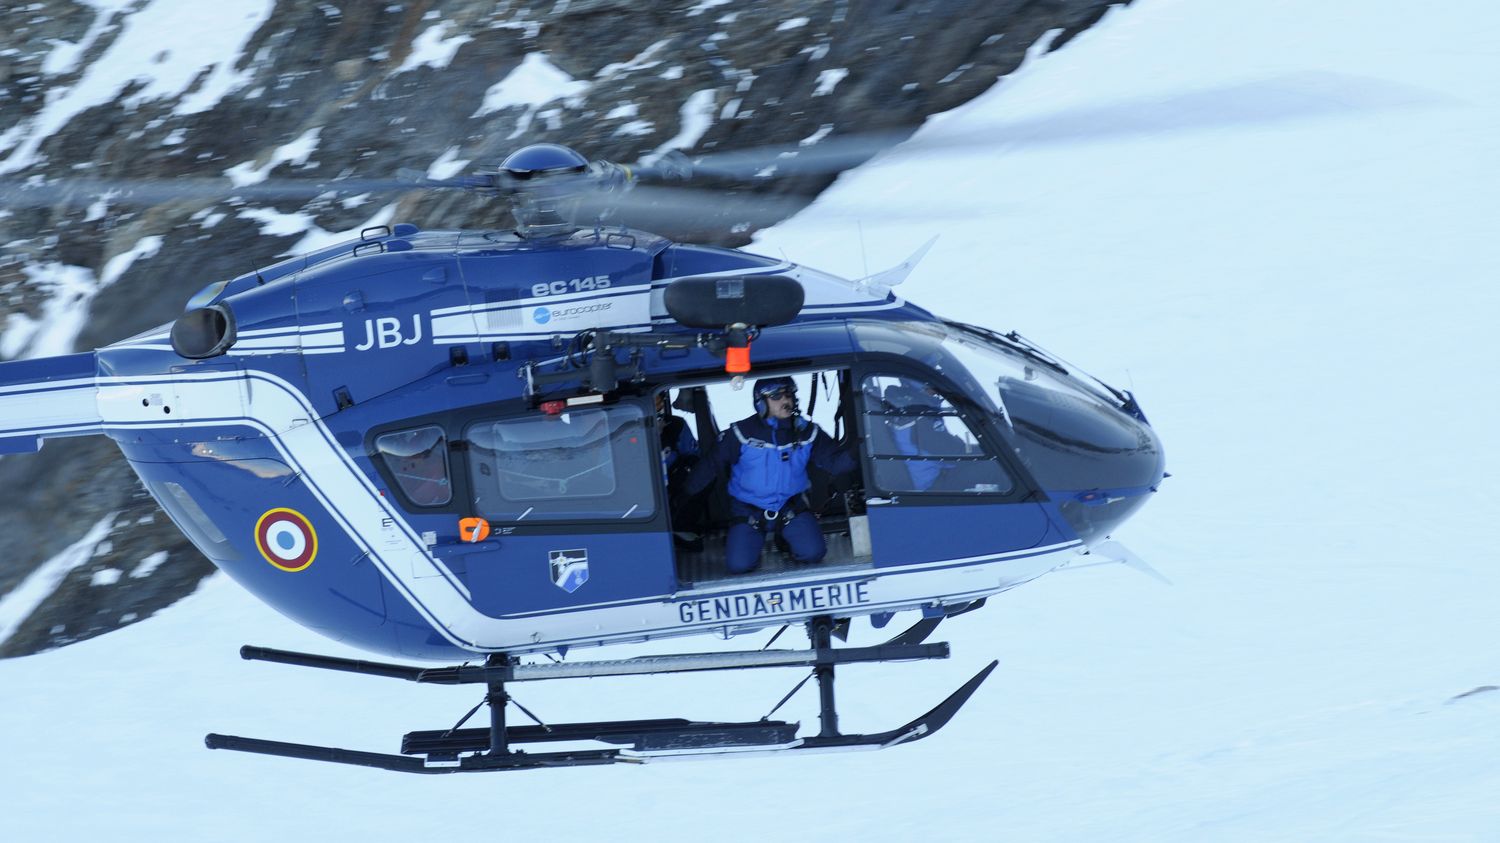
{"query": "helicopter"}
(448, 445)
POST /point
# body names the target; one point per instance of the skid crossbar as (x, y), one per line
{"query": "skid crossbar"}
(459, 750)
(679, 663)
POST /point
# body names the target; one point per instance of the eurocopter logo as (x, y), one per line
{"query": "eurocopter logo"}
(543, 315)
(570, 568)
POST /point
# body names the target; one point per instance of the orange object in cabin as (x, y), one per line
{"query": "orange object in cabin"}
(737, 360)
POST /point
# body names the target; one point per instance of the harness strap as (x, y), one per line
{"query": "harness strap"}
(794, 506)
(801, 435)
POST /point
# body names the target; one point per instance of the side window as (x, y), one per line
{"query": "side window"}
(917, 442)
(585, 464)
(419, 460)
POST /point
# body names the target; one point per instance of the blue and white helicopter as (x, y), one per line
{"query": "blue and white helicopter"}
(447, 445)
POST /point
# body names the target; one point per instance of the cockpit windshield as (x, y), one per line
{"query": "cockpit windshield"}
(990, 362)
(1068, 432)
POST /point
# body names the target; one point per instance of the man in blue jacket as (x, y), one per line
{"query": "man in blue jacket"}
(767, 455)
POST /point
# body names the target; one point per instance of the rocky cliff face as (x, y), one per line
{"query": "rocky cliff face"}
(172, 90)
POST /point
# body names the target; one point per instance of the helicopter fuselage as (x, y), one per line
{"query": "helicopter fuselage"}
(353, 407)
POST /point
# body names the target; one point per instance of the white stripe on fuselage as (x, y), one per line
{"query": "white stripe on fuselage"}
(378, 529)
(49, 408)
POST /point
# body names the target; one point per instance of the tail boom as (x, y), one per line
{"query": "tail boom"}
(46, 398)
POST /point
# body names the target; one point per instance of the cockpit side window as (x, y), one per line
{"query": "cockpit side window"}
(418, 459)
(917, 441)
(591, 464)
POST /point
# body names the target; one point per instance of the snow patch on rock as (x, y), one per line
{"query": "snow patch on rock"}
(533, 83)
(187, 47)
(18, 604)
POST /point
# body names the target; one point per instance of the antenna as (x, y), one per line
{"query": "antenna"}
(863, 257)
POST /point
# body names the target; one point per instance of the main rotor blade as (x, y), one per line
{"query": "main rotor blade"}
(1280, 99)
(83, 192)
(644, 206)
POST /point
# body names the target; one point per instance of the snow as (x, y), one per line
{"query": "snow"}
(447, 165)
(106, 576)
(704, 5)
(1270, 219)
(62, 315)
(64, 55)
(296, 151)
(116, 266)
(146, 567)
(434, 48)
(167, 44)
(533, 83)
(635, 128)
(695, 118)
(829, 79)
(644, 60)
(275, 223)
(66, 309)
(17, 604)
(820, 134)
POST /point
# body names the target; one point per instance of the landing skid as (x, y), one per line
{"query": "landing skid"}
(460, 750)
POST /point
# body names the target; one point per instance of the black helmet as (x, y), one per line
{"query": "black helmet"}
(771, 386)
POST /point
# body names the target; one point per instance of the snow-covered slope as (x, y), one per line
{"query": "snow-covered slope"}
(1303, 307)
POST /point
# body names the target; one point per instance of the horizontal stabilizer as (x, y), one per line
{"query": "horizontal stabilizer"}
(45, 398)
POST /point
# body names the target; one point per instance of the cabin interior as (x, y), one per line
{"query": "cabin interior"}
(595, 463)
(906, 437)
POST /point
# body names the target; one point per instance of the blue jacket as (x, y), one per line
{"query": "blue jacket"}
(768, 460)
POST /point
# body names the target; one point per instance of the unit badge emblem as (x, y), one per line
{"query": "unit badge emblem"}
(570, 568)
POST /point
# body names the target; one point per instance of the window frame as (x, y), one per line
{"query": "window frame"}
(993, 444)
(650, 447)
(379, 458)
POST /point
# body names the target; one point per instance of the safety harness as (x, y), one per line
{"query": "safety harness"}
(767, 521)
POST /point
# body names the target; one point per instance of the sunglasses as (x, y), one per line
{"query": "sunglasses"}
(778, 394)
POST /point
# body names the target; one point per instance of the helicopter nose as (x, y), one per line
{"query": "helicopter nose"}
(1098, 461)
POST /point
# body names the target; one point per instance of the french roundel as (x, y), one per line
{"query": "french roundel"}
(286, 538)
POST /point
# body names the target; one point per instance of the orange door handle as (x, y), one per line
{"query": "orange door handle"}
(473, 529)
